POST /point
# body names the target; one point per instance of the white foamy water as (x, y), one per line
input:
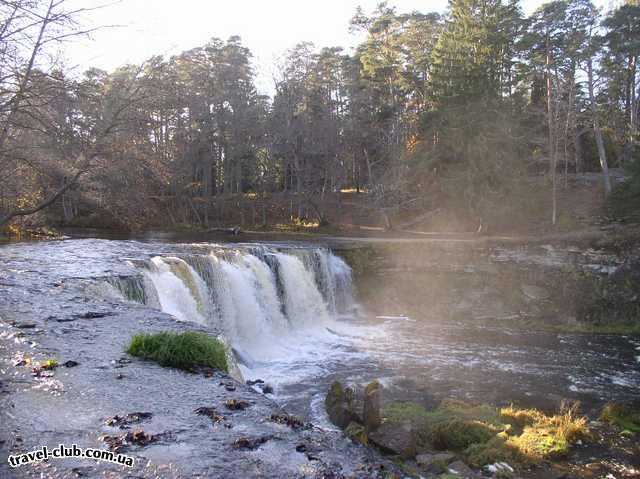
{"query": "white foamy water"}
(176, 288)
(283, 312)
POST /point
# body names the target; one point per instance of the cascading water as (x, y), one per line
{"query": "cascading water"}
(271, 304)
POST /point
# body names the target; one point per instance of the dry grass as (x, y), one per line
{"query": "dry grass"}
(542, 436)
(484, 434)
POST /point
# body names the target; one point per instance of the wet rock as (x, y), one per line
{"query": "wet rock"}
(211, 413)
(461, 470)
(265, 388)
(339, 405)
(123, 422)
(438, 461)
(396, 438)
(114, 443)
(70, 364)
(372, 403)
(120, 376)
(310, 452)
(288, 420)
(24, 325)
(75, 317)
(229, 386)
(206, 411)
(82, 471)
(236, 404)
(92, 315)
(120, 363)
(357, 433)
(251, 444)
(138, 438)
(20, 360)
(40, 372)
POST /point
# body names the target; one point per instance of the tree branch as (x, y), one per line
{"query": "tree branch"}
(44, 204)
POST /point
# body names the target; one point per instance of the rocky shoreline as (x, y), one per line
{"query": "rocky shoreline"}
(474, 441)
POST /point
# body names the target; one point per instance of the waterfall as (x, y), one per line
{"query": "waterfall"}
(260, 298)
(177, 289)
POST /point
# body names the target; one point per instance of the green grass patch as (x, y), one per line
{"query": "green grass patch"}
(186, 351)
(483, 434)
(624, 417)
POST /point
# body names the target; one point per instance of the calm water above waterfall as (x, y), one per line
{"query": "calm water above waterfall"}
(292, 317)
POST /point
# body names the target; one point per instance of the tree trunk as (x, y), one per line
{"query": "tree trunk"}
(602, 154)
(552, 146)
(42, 205)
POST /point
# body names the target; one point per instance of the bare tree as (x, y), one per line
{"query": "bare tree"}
(32, 88)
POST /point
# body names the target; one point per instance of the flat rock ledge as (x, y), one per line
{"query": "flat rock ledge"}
(175, 424)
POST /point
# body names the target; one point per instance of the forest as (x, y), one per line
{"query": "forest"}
(481, 112)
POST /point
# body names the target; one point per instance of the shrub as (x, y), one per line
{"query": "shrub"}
(186, 351)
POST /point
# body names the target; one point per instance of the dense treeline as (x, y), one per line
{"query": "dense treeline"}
(458, 110)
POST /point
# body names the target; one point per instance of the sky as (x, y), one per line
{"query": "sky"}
(139, 29)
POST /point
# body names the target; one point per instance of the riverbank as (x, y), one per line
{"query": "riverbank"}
(458, 439)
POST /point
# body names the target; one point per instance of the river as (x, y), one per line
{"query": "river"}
(296, 318)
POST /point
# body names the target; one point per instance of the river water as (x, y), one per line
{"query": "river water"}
(295, 317)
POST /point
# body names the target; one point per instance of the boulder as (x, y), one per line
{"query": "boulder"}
(372, 404)
(339, 405)
(396, 438)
